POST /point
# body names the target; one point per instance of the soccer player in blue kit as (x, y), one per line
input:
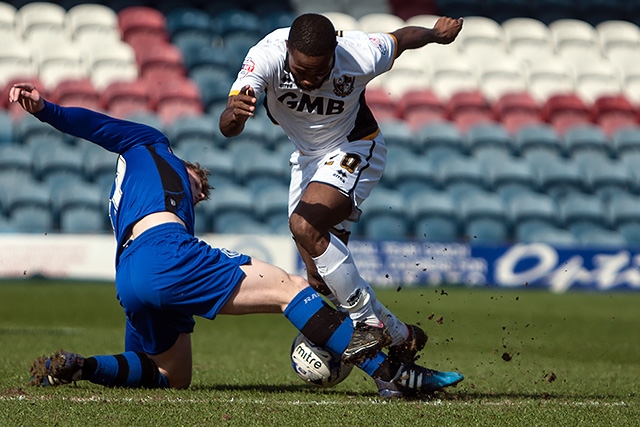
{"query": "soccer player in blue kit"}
(165, 275)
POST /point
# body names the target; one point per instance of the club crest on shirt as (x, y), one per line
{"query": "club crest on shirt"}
(343, 85)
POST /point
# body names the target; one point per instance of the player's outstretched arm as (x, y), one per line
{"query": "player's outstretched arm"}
(27, 96)
(444, 31)
(239, 108)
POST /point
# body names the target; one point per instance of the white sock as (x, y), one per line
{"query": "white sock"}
(396, 328)
(339, 272)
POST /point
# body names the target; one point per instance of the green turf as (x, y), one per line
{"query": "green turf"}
(574, 361)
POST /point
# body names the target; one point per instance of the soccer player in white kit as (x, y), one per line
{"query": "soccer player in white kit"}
(314, 81)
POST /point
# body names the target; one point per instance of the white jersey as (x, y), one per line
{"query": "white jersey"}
(320, 120)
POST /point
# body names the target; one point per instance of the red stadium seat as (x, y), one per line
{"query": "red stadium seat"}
(564, 111)
(142, 20)
(79, 93)
(381, 104)
(613, 112)
(516, 110)
(124, 98)
(468, 108)
(420, 107)
(161, 62)
(182, 91)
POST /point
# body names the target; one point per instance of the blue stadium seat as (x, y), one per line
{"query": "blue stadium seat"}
(214, 87)
(624, 211)
(508, 175)
(239, 223)
(538, 137)
(386, 227)
(83, 220)
(533, 209)
(189, 20)
(460, 176)
(488, 134)
(231, 199)
(484, 218)
(583, 139)
(32, 219)
(271, 203)
(203, 128)
(626, 140)
(582, 212)
(56, 162)
(439, 140)
(6, 128)
(26, 193)
(277, 18)
(608, 178)
(541, 232)
(15, 158)
(598, 237)
(80, 194)
(558, 177)
(28, 128)
(434, 217)
(406, 172)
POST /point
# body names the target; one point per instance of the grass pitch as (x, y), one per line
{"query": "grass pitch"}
(530, 358)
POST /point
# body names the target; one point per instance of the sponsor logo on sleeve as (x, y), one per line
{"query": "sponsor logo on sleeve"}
(247, 67)
(381, 46)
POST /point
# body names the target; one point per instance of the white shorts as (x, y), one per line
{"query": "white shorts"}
(353, 168)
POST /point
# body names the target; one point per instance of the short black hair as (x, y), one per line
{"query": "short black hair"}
(313, 35)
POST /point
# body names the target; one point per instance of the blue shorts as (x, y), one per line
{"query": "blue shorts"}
(167, 276)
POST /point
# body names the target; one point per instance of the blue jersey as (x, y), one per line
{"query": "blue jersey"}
(149, 177)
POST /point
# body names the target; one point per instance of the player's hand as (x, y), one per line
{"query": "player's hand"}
(27, 96)
(243, 105)
(447, 29)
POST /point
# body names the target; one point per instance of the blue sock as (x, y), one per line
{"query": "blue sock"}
(326, 327)
(129, 369)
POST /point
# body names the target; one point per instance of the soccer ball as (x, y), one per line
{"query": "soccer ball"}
(316, 365)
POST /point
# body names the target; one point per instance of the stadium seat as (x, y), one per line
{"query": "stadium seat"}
(15, 159)
(405, 171)
(271, 204)
(468, 108)
(89, 22)
(595, 79)
(626, 140)
(402, 78)
(380, 22)
(599, 237)
(194, 128)
(586, 138)
(57, 164)
(516, 110)
(451, 73)
(177, 92)
(481, 35)
(218, 161)
(99, 165)
(16, 60)
(6, 128)
(28, 127)
(25, 193)
(239, 223)
(484, 218)
(8, 20)
(238, 21)
(214, 87)
(488, 135)
(398, 133)
(232, 199)
(530, 209)
(564, 111)
(461, 176)
(540, 232)
(83, 220)
(123, 98)
(343, 21)
(613, 112)
(575, 40)
(538, 137)
(42, 21)
(259, 169)
(508, 176)
(142, 20)
(439, 140)
(624, 216)
(77, 93)
(381, 104)
(618, 38)
(160, 62)
(581, 212)
(104, 74)
(386, 227)
(608, 178)
(434, 217)
(32, 219)
(420, 107)
(557, 177)
(548, 76)
(525, 36)
(279, 18)
(189, 20)
(499, 75)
